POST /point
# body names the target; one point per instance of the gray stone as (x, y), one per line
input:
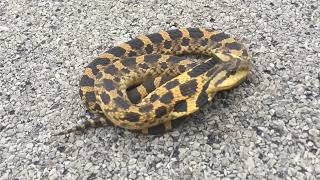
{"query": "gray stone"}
(267, 127)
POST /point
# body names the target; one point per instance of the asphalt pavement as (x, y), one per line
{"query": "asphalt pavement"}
(266, 128)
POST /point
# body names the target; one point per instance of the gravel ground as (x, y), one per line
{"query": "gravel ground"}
(268, 127)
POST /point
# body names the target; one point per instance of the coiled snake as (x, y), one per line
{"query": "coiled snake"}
(141, 85)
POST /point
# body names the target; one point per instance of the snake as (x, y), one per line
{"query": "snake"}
(147, 85)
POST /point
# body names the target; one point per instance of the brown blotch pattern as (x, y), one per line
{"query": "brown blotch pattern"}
(166, 98)
(161, 111)
(188, 88)
(117, 51)
(180, 106)
(108, 84)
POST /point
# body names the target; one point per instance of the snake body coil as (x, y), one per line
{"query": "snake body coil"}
(141, 85)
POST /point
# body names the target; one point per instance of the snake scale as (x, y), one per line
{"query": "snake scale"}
(145, 85)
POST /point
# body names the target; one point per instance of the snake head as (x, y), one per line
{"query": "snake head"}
(228, 74)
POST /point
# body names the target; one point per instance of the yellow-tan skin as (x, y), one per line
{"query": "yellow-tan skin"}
(106, 80)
